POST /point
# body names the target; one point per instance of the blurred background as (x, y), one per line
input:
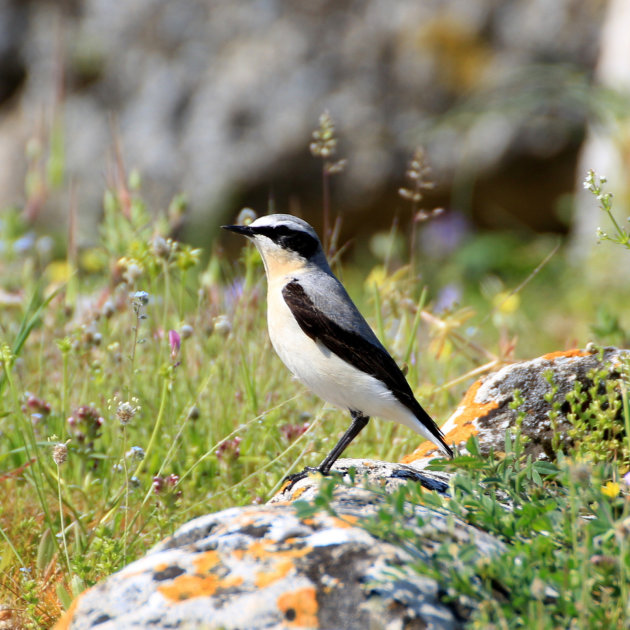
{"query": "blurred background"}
(512, 101)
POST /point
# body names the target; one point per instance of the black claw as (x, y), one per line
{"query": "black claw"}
(290, 480)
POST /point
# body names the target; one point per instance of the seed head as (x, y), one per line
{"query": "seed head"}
(126, 411)
(60, 453)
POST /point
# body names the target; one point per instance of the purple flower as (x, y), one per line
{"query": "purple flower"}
(175, 341)
(444, 235)
(448, 298)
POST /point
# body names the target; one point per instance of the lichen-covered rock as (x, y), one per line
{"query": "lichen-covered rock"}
(488, 409)
(263, 567)
(389, 476)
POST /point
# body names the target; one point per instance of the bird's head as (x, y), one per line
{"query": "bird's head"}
(285, 242)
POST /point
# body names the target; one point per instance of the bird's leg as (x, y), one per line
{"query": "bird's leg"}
(358, 423)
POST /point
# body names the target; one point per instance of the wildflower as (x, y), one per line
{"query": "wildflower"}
(162, 247)
(58, 271)
(85, 423)
(233, 293)
(626, 479)
(229, 447)
(589, 181)
(140, 299)
(188, 257)
(135, 452)
(166, 487)
(165, 483)
(505, 302)
(245, 216)
(175, 342)
(293, 431)
(92, 260)
(24, 243)
(37, 405)
(108, 309)
(60, 453)
(448, 298)
(91, 336)
(132, 271)
(222, 325)
(126, 411)
(611, 489)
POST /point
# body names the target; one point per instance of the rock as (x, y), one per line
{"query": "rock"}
(219, 99)
(487, 410)
(388, 475)
(267, 567)
(263, 567)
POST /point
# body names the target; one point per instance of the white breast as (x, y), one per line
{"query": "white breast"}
(324, 373)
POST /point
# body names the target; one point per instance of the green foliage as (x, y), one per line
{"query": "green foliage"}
(598, 413)
(566, 562)
(138, 389)
(596, 185)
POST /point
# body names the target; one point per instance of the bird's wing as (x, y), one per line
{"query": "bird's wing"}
(355, 349)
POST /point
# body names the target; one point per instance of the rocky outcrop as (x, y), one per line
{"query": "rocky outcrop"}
(264, 567)
(219, 99)
(268, 567)
(523, 394)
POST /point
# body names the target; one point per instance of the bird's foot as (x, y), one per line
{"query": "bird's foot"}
(290, 480)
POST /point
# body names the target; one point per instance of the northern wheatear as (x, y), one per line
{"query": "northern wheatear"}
(323, 339)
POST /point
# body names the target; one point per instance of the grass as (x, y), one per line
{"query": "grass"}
(139, 388)
(565, 527)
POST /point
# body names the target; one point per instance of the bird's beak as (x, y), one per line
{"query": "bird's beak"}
(245, 230)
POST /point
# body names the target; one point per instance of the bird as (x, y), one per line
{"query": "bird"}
(324, 341)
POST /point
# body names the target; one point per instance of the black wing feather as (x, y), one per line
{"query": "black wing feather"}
(355, 350)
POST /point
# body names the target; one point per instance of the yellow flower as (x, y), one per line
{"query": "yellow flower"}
(611, 489)
(93, 260)
(59, 271)
(506, 303)
(376, 277)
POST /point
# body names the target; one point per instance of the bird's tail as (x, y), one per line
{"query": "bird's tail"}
(432, 431)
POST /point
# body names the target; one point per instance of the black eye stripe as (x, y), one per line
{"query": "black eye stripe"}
(296, 240)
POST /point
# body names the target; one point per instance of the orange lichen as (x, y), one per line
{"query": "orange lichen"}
(284, 486)
(280, 569)
(299, 492)
(575, 352)
(348, 520)
(261, 549)
(238, 553)
(206, 561)
(189, 586)
(299, 607)
(63, 623)
(468, 411)
(158, 568)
